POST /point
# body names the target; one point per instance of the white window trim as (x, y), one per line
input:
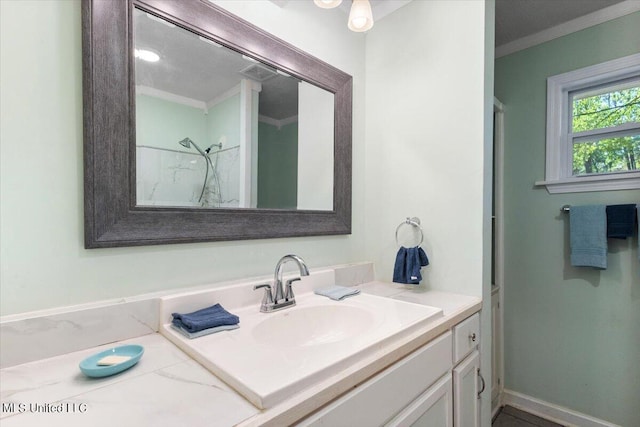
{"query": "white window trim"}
(558, 171)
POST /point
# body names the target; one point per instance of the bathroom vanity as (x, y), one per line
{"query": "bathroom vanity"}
(427, 374)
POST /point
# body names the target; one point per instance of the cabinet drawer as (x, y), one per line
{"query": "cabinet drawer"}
(466, 336)
(432, 408)
(380, 398)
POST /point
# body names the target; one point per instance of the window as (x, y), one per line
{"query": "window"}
(593, 128)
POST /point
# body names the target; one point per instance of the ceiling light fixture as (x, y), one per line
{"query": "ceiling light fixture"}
(360, 17)
(327, 4)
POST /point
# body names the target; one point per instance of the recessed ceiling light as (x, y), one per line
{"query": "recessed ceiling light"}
(146, 55)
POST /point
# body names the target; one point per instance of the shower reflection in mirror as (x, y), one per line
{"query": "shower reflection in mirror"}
(197, 93)
(174, 177)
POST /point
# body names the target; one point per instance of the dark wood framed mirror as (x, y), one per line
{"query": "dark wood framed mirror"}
(113, 216)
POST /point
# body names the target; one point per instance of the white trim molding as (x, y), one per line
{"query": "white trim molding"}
(558, 166)
(223, 96)
(552, 412)
(603, 15)
(276, 122)
(617, 181)
(172, 97)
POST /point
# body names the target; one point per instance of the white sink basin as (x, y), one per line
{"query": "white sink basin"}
(313, 325)
(274, 355)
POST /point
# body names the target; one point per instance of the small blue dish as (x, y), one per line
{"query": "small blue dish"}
(90, 367)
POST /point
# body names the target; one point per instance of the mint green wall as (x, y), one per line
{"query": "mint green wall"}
(223, 123)
(277, 166)
(43, 263)
(572, 335)
(162, 123)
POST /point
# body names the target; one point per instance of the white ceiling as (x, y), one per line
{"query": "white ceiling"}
(193, 68)
(515, 19)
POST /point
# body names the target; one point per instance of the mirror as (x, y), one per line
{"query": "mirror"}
(218, 129)
(119, 209)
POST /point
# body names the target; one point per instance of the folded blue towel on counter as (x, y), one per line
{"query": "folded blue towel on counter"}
(206, 318)
(209, 331)
(408, 263)
(588, 236)
(621, 220)
(337, 293)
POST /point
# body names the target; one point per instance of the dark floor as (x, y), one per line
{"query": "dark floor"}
(512, 417)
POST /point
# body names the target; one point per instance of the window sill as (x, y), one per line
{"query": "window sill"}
(620, 181)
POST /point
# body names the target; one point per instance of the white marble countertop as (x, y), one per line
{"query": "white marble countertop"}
(168, 388)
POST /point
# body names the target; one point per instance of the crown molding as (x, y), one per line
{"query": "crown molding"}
(603, 15)
(168, 96)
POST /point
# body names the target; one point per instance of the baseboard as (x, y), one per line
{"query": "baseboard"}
(551, 412)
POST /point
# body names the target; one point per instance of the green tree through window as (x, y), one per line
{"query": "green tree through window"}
(594, 149)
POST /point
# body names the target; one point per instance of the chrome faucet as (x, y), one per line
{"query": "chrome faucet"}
(276, 298)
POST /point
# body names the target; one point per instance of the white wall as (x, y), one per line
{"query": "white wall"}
(315, 151)
(423, 155)
(43, 262)
(428, 152)
(425, 135)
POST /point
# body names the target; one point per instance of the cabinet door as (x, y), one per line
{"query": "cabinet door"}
(434, 408)
(386, 394)
(465, 392)
(496, 347)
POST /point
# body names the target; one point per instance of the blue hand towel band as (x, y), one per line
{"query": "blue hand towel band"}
(206, 318)
(408, 263)
(588, 236)
(192, 335)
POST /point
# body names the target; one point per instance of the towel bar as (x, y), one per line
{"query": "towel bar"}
(415, 221)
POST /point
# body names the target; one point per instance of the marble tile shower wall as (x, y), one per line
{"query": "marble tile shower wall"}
(175, 178)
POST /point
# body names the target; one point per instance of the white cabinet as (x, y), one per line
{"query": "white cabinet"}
(466, 372)
(434, 408)
(420, 390)
(466, 336)
(496, 350)
(376, 401)
(465, 392)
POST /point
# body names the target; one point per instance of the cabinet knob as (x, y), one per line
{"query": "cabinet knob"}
(472, 336)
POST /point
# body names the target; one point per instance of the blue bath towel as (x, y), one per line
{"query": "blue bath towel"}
(621, 220)
(588, 236)
(209, 331)
(408, 263)
(206, 318)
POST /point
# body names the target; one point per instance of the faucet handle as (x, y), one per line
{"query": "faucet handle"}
(288, 296)
(268, 296)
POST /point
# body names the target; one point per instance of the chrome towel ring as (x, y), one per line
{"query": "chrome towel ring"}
(415, 221)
